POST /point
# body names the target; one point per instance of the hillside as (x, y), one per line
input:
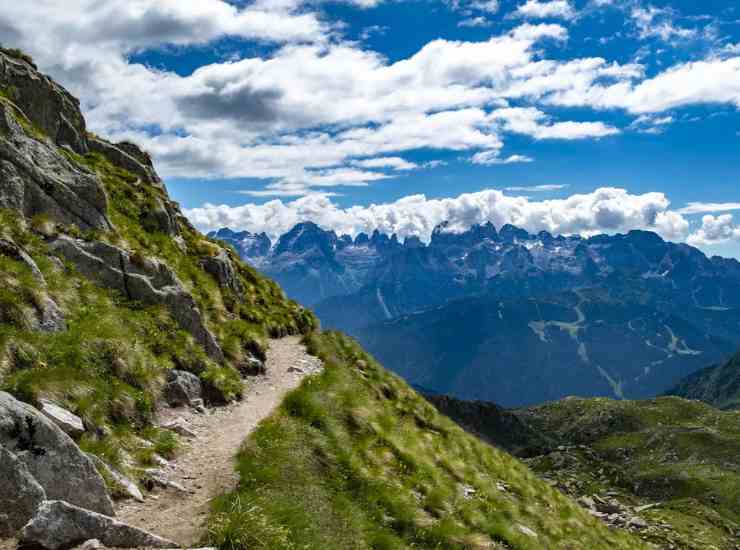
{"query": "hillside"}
(718, 385)
(356, 459)
(672, 462)
(111, 305)
(476, 313)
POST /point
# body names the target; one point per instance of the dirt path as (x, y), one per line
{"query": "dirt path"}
(205, 468)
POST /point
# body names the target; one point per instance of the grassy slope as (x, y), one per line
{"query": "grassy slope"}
(682, 454)
(110, 364)
(356, 459)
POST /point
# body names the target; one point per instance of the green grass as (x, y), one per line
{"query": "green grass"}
(110, 364)
(682, 454)
(354, 458)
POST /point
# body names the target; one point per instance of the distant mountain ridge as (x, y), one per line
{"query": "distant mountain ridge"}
(507, 316)
(718, 385)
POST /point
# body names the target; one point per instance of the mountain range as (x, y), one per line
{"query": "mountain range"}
(508, 316)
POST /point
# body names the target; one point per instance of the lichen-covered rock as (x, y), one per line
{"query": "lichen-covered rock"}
(20, 494)
(51, 456)
(58, 524)
(182, 388)
(38, 179)
(47, 104)
(148, 281)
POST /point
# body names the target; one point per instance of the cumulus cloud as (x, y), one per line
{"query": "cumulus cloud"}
(539, 9)
(533, 122)
(604, 210)
(715, 230)
(708, 207)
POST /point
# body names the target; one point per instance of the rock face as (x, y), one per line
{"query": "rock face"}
(129, 157)
(47, 105)
(38, 179)
(20, 494)
(70, 423)
(182, 388)
(58, 524)
(148, 281)
(223, 271)
(51, 457)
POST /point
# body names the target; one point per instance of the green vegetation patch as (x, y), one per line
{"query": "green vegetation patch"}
(354, 458)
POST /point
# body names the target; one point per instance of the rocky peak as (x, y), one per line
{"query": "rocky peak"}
(46, 104)
(511, 234)
(306, 236)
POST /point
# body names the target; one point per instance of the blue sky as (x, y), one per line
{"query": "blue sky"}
(575, 116)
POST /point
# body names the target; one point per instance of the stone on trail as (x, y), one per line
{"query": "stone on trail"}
(58, 524)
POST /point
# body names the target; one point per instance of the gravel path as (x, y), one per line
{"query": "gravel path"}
(205, 468)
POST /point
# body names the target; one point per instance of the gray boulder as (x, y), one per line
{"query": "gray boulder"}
(222, 269)
(70, 423)
(38, 179)
(48, 105)
(20, 494)
(148, 281)
(51, 456)
(182, 388)
(58, 524)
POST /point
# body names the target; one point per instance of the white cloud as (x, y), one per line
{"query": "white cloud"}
(478, 21)
(707, 207)
(652, 22)
(396, 163)
(715, 230)
(491, 158)
(713, 81)
(536, 188)
(604, 210)
(533, 122)
(539, 9)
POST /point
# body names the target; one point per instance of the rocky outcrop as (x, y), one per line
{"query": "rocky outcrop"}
(46, 104)
(222, 269)
(38, 179)
(148, 281)
(182, 388)
(20, 494)
(58, 524)
(51, 457)
(70, 423)
(129, 157)
(161, 217)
